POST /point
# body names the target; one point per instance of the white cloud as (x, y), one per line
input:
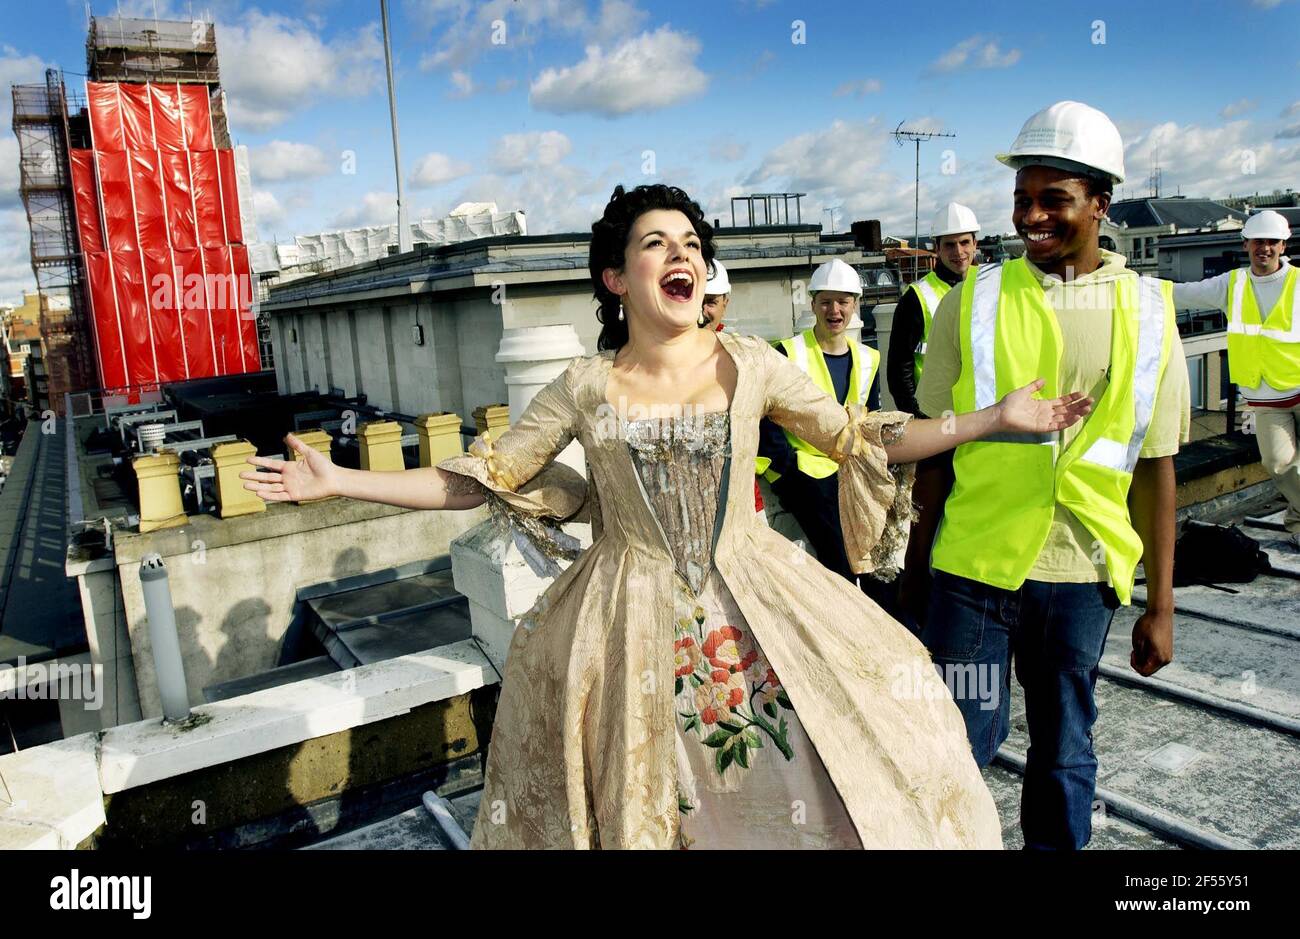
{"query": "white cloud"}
(1212, 161)
(15, 258)
(15, 236)
(9, 179)
(273, 66)
(268, 210)
(1292, 109)
(517, 152)
(616, 20)
(838, 165)
(867, 86)
(648, 72)
(282, 160)
(845, 165)
(1237, 108)
(727, 150)
(976, 51)
(762, 61)
(470, 28)
(463, 84)
(434, 169)
(558, 198)
(17, 69)
(924, 125)
(375, 208)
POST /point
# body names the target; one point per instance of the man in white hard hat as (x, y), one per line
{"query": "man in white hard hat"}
(717, 296)
(803, 478)
(954, 230)
(1263, 347)
(1040, 535)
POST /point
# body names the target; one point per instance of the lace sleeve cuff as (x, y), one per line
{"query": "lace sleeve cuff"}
(875, 498)
(557, 491)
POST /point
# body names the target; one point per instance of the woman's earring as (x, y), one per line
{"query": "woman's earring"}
(620, 312)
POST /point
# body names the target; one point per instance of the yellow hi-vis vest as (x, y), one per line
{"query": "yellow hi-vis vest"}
(1263, 350)
(998, 515)
(804, 352)
(929, 290)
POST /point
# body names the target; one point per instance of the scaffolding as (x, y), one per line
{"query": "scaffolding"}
(772, 203)
(126, 49)
(41, 124)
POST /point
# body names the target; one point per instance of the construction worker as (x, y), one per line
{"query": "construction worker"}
(1040, 535)
(954, 231)
(717, 296)
(1263, 347)
(802, 477)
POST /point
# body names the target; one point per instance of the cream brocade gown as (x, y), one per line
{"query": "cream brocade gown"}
(747, 774)
(692, 678)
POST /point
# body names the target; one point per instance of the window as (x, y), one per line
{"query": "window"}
(1150, 250)
(1196, 379)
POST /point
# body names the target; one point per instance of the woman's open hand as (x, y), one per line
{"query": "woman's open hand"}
(313, 477)
(1021, 412)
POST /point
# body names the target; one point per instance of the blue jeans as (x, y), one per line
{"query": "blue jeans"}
(1056, 634)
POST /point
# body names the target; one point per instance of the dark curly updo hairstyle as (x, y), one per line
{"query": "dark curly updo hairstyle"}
(609, 236)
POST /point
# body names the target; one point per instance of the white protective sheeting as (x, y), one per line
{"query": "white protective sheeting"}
(335, 249)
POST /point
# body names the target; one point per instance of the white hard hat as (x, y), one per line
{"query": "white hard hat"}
(1069, 135)
(1266, 224)
(954, 219)
(718, 282)
(835, 275)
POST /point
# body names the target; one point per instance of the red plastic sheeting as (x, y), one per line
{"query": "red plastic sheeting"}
(85, 196)
(206, 179)
(197, 117)
(115, 198)
(247, 294)
(146, 189)
(223, 304)
(175, 169)
(133, 314)
(105, 117)
(170, 288)
(165, 100)
(103, 307)
(137, 117)
(164, 317)
(196, 327)
(230, 197)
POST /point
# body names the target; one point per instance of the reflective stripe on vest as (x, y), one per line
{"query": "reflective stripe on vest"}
(1263, 348)
(1003, 501)
(807, 355)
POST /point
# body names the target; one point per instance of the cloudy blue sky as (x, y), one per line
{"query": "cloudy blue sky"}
(544, 105)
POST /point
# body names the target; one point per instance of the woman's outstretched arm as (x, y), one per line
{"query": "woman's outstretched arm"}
(317, 477)
(795, 402)
(508, 460)
(1017, 413)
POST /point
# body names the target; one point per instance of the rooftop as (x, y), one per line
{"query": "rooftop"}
(478, 261)
(1179, 211)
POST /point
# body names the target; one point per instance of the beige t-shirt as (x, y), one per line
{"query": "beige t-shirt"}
(1084, 314)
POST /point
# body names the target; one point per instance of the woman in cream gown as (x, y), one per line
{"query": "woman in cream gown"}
(692, 679)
